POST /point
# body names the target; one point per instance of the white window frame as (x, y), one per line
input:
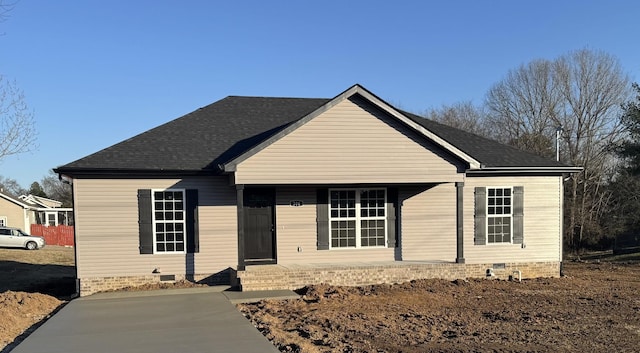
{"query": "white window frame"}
(3, 221)
(501, 215)
(51, 218)
(358, 218)
(156, 222)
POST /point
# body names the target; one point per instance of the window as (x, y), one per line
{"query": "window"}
(65, 218)
(169, 220)
(52, 218)
(498, 215)
(3, 221)
(357, 218)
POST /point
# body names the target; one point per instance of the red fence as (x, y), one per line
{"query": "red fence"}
(54, 235)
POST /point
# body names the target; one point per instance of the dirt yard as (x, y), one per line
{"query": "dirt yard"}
(33, 284)
(596, 307)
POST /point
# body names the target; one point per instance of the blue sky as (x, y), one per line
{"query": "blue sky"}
(98, 72)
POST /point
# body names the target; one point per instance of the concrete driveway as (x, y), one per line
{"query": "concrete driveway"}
(160, 321)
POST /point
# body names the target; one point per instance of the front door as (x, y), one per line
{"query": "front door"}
(259, 226)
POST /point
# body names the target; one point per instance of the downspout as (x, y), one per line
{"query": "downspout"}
(560, 198)
(75, 237)
(561, 220)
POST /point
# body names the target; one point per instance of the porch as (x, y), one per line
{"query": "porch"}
(294, 276)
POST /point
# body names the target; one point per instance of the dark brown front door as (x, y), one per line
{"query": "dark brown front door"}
(259, 223)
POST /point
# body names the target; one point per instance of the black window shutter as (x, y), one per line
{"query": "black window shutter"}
(193, 238)
(480, 236)
(145, 221)
(392, 205)
(322, 218)
(518, 214)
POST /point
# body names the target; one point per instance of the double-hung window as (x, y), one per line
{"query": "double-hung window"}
(169, 220)
(357, 218)
(499, 215)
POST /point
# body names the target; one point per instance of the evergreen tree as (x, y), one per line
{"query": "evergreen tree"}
(629, 149)
(36, 190)
(624, 207)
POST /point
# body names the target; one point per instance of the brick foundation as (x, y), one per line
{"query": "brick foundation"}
(272, 277)
(91, 285)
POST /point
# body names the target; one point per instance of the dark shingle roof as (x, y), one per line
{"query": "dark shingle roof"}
(489, 152)
(201, 140)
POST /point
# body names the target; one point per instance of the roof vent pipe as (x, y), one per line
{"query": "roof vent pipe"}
(558, 132)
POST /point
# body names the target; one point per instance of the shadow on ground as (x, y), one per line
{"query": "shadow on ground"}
(55, 280)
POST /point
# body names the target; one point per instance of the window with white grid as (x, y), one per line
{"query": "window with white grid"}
(169, 220)
(499, 215)
(357, 218)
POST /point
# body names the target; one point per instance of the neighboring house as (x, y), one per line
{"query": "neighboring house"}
(23, 211)
(15, 212)
(282, 192)
(49, 212)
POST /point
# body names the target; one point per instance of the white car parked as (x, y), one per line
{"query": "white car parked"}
(16, 238)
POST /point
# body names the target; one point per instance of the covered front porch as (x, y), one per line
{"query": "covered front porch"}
(291, 226)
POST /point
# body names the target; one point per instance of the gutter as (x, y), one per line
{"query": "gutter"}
(518, 170)
(132, 173)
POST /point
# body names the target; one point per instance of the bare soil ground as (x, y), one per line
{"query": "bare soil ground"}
(594, 308)
(33, 284)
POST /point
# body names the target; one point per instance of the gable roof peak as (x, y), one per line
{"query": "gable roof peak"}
(356, 89)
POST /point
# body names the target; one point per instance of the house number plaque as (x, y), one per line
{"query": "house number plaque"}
(296, 203)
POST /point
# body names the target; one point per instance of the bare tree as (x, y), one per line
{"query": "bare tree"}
(521, 107)
(17, 123)
(56, 189)
(5, 8)
(593, 87)
(463, 115)
(11, 187)
(582, 92)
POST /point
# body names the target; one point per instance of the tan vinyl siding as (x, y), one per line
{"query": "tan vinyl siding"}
(296, 228)
(50, 203)
(542, 221)
(350, 143)
(14, 213)
(107, 227)
(429, 223)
